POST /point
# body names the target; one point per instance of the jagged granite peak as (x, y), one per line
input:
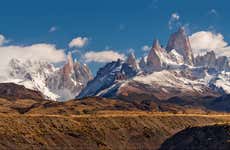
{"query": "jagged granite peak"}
(68, 67)
(156, 45)
(69, 80)
(180, 42)
(131, 60)
(155, 56)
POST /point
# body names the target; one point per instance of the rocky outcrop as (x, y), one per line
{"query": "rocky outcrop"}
(180, 42)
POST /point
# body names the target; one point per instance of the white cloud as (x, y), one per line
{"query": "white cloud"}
(213, 12)
(175, 17)
(145, 48)
(53, 29)
(46, 52)
(2, 40)
(78, 42)
(206, 41)
(103, 56)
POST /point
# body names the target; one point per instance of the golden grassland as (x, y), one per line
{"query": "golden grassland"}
(94, 124)
(121, 130)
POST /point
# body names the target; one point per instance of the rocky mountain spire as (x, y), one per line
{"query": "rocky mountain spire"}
(68, 67)
(180, 42)
(131, 60)
(156, 45)
(154, 59)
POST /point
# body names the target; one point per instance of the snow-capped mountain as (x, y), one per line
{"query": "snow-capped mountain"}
(55, 83)
(107, 76)
(162, 74)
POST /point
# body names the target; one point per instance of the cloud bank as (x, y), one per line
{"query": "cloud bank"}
(78, 42)
(46, 52)
(103, 56)
(204, 41)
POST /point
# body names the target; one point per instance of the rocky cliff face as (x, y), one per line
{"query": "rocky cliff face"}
(180, 42)
(156, 57)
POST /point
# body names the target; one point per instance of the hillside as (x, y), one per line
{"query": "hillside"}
(214, 137)
(136, 131)
(13, 91)
(96, 105)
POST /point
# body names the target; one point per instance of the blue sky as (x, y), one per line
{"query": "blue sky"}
(117, 25)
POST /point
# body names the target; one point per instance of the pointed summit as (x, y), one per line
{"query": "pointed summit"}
(182, 30)
(154, 59)
(156, 45)
(180, 42)
(131, 60)
(68, 67)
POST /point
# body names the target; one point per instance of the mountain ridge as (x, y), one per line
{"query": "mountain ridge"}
(166, 73)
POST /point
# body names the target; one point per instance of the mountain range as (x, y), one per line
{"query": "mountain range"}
(165, 73)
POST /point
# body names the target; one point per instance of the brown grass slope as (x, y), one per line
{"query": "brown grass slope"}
(129, 131)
